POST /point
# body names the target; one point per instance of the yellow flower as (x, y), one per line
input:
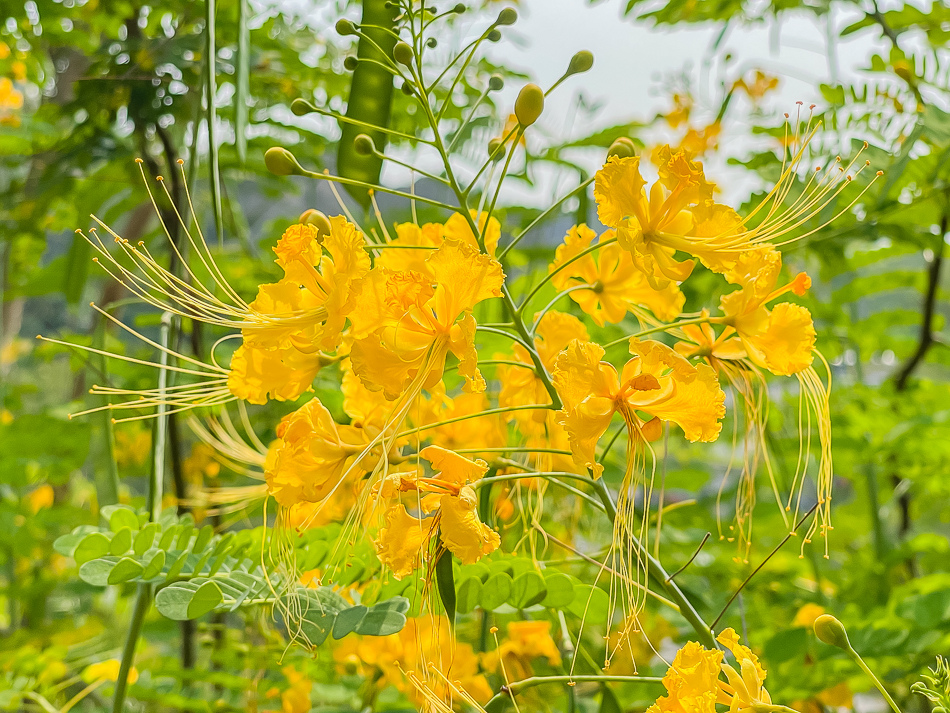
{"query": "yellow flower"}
(201, 465)
(616, 285)
(657, 382)
(40, 498)
(11, 101)
(744, 692)
(403, 327)
(296, 698)
(132, 445)
(475, 431)
(457, 228)
(447, 505)
(107, 671)
(301, 314)
(781, 340)
(527, 642)
(308, 461)
(411, 247)
(805, 617)
(692, 682)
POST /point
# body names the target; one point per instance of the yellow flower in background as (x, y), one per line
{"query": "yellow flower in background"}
(657, 382)
(616, 284)
(781, 340)
(527, 643)
(805, 617)
(202, 464)
(475, 431)
(758, 86)
(446, 504)
(404, 328)
(301, 314)
(11, 101)
(107, 671)
(308, 461)
(296, 698)
(40, 498)
(132, 445)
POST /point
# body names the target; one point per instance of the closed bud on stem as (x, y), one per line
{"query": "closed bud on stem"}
(832, 632)
(496, 82)
(496, 149)
(345, 27)
(318, 220)
(529, 104)
(459, 9)
(508, 16)
(363, 145)
(432, 43)
(350, 63)
(403, 54)
(622, 147)
(281, 162)
(406, 89)
(580, 63)
(493, 36)
(301, 107)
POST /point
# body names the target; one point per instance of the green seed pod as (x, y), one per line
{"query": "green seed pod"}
(495, 83)
(350, 63)
(363, 145)
(459, 9)
(580, 63)
(496, 145)
(832, 632)
(529, 104)
(318, 220)
(403, 54)
(432, 43)
(508, 16)
(622, 147)
(493, 36)
(345, 27)
(406, 89)
(281, 162)
(301, 107)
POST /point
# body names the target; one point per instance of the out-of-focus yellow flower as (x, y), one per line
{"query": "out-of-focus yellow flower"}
(657, 382)
(756, 88)
(301, 314)
(616, 285)
(107, 671)
(781, 340)
(132, 445)
(309, 459)
(404, 328)
(527, 642)
(634, 643)
(425, 646)
(475, 431)
(202, 464)
(805, 617)
(446, 504)
(457, 228)
(295, 698)
(40, 498)
(11, 101)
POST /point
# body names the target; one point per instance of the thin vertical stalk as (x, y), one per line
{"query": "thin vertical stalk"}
(153, 500)
(243, 83)
(106, 479)
(210, 93)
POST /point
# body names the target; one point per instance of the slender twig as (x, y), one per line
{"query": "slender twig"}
(512, 688)
(690, 560)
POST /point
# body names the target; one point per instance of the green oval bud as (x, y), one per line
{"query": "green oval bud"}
(318, 220)
(281, 162)
(350, 63)
(493, 36)
(832, 632)
(406, 89)
(529, 104)
(622, 147)
(300, 107)
(495, 145)
(580, 62)
(432, 43)
(508, 16)
(363, 145)
(403, 54)
(459, 9)
(495, 83)
(345, 27)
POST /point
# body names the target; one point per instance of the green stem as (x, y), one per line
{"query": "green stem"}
(106, 479)
(661, 328)
(512, 688)
(880, 686)
(143, 601)
(210, 93)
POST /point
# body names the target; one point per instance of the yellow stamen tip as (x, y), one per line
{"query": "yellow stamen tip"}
(159, 178)
(138, 160)
(181, 162)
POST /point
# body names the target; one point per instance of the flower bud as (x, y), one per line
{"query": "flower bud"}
(496, 145)
(622, 147)
(345, 27)
(432, 43)
(403, 54)
(832, 632)
(508, 16)
(496, 82)
(301, 107)
(493, 36)
(350, 63)
(406, 89)
(318, 220)
(529, 104)
(363, 145)
(580, 63)
(459, 9)
(281, 162)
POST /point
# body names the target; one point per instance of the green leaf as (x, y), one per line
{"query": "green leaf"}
(124, 570)
(608, 701)
(206, 598)
(385, 618)
(468, 594)
(145, 538)
(92, 546)
(177, 566)
(96, 572)
(445, 581)
(496, 591)
(168, 537)
(204, 537)
(560, 590)
(348, 620)
(188, 600)
(154, 566)
(185, 537)
(121, 542)
(590, 603)
(527, 590)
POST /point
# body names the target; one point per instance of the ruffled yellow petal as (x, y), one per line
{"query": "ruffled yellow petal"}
(453, 467)
(457, 228)
(462, 533)
(618, 190)
(283, 374)
(787, 345)
(465, 277)
(411, 247)
(401, 541)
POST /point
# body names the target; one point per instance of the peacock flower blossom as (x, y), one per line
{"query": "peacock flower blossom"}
(657, 382)
(446, 507)
(615, 285)
(527, 643)
(404, 326)
(782, 339)
(307, 311)
(458, 228)
(744, 691)
(410, 248)
(469, 426)
(311, 456)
